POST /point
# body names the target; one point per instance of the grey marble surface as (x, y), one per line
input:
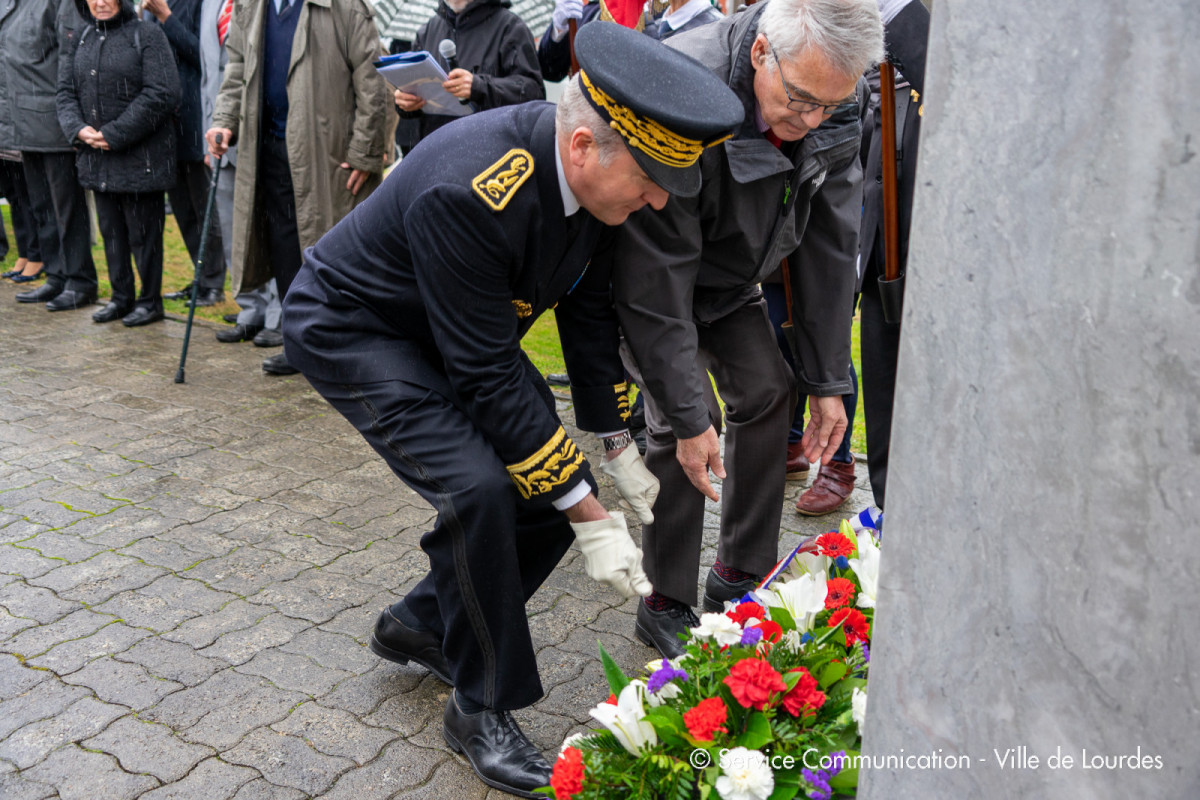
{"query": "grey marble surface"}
(1039, 583)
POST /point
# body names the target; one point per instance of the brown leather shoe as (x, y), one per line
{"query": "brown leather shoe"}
(797, 464)
(829, 491)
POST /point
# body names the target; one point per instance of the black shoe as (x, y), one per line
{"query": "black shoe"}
(498, 751)
(230, 318)
(183, 294)
(110, 312)
(660, 629)
(238, 333)
(558, 379)
(209, 297)
(395, 641)
(278, 365)
(141, 316)
(39, 295)
(269, 337)
(70, 299)
(717, 591)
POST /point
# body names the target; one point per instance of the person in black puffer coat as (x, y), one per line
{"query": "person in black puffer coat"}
(117, 94)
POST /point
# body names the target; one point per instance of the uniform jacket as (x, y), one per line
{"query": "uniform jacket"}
(700, 258)
(119, 78)
(907, 37)
(339, 110)
(437, 275)
(33, 33)
(493, 44)
(183, 31)
(555, 57)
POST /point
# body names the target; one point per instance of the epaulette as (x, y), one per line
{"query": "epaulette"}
(497, 184)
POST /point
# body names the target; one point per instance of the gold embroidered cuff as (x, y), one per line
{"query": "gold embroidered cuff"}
(547, 469)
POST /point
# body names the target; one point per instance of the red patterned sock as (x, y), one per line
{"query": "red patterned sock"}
(733, 575)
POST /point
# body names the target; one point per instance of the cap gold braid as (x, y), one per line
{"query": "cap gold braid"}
(661, 144)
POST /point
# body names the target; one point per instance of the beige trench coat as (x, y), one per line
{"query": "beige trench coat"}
(339, 110)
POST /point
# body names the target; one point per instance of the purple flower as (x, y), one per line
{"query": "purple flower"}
(663, 676)
(866, 653)
(821, 789)
(751, 636)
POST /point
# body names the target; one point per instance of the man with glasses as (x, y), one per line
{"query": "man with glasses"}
(686, 283)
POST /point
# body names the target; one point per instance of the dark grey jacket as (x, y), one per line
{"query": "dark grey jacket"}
(700, 258)
(121, 80)
(32, 35)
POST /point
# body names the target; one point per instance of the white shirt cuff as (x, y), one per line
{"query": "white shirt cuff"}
(572, 497)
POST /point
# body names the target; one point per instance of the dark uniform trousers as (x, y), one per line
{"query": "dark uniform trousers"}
(278, 205)
(740, 351)
(189, 199)
(60, 209)
(880, 348)
(132, 227)
(487, 553)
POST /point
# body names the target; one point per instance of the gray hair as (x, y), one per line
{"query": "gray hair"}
(574, 111)
(848, 32)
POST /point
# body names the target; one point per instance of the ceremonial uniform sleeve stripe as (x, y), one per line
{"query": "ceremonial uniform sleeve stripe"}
(547, 469)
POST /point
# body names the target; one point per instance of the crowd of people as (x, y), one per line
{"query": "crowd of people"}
(702, 207)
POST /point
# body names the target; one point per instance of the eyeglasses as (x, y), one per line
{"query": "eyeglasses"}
(807, 106)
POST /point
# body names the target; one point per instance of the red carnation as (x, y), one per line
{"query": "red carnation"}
(856, 626)
(804, 696)
(567, 778)
(772, 632)
(839, 592)
(753, 682)
(834, 545)
(612, 700)
(746, 611)
(706, 718)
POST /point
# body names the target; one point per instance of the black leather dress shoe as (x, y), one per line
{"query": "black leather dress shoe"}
(268, 337)
(110, 312)
(141, 316)
(39, 295)
(278, 365)
(717, 591)
(238, 333)
(395, 641)
(497, 749)
(230, 318)
(70, 299)
(209, 297)
(183, 294)
(661, 629)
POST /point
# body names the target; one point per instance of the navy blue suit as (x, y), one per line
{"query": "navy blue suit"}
(407, 317)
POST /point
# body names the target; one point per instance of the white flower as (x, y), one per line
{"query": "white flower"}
(719, 627)
(858, 707)
(791, 641)
(669, 691)
(808, 563)
(802, 597)
(570, 741)
(627, 719)
(866, 568)
(745, 775)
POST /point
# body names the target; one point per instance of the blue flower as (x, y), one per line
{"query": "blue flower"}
(842, 562)
(806, 638)
(663, 676)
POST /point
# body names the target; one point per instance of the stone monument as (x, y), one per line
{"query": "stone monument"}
(1039, 595)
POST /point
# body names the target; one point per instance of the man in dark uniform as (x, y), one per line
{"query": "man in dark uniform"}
(407, 317)
(686, 287)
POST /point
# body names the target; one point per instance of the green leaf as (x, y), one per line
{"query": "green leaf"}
(616, 679)
(847, 779)
(758, 732)
(783, 617)
(832, 674)
(787, 785)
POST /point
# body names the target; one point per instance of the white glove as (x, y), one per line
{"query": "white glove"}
(564, 11)
(890, 9)
(634, 482)
(610, 556)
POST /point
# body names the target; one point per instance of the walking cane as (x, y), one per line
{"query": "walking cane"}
(572, 27)
(208, 212)
(891, 285)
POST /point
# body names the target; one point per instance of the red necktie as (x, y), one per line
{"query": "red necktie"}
(772, 138)
(223, 21)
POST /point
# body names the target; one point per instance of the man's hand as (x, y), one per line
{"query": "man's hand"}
(92, 137)
(210, 136)
(564, 12)
(699, 454)
(826, 427)
(634, 482)
(458, 83)
(357, 178)
(158, 8)
(609, 554)
(408, 102)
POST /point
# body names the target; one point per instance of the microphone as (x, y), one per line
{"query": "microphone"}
(449, 51)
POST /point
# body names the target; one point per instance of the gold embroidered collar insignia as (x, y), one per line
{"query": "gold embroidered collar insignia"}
(497, 184)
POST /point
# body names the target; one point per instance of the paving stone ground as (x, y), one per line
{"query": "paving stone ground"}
(189, 574)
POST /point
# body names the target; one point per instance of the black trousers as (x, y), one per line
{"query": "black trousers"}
(25, 229)
(61, 212)
(189, 197)
(488, 552)
(132, 227)
(880, 342)
(278, 205)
